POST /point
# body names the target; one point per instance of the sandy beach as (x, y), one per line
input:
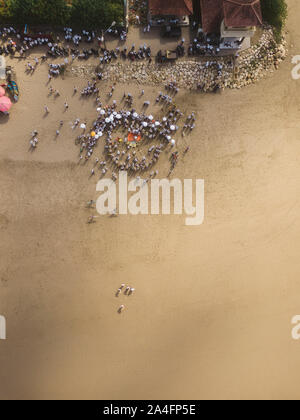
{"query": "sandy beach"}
(211, 313)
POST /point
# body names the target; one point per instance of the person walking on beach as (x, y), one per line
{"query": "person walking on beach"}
(91, 203)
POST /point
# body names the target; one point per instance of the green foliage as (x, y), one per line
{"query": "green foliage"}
(54, 12)
(96, 13)
(275, 13)
(83, 13)
(5, 12)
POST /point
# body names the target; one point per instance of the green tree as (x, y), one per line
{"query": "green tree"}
(114, 12)
(96, 13)
(54, 12)
(275, 13)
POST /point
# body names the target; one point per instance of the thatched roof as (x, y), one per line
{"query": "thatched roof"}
(212, 15)
(236, 13)
(171, 7)
(242, 13)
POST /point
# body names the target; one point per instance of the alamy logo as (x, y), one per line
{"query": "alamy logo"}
(296, 328)
(152, 197)
(2, 328)
(296, 69)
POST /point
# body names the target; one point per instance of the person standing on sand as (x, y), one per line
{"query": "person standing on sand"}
(91, 203)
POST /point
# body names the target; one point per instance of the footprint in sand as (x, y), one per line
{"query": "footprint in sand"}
(3, 221)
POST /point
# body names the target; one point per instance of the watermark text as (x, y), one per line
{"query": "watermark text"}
(155, 196)
(2, 328)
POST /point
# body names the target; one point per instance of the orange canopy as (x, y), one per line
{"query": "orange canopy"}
(134, 137)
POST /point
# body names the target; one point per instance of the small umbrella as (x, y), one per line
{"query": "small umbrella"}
(157, 123)
(173, 128)
(2, 91)
(135, 115)
(150, 117)
(118, 116)
(102, 112)
(107, 120)
(93, 134)
(5, 104)
(145, 124)
(83, 126)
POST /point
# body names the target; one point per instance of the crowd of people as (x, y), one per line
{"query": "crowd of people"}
(69, 45)
(126, 129)
(18, 42)
(132, 141)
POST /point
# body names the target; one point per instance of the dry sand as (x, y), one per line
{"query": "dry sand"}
(211, 316)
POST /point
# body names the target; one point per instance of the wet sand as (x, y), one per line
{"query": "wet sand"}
(211, 315)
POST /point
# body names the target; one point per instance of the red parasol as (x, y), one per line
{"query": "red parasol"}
(5, 104)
